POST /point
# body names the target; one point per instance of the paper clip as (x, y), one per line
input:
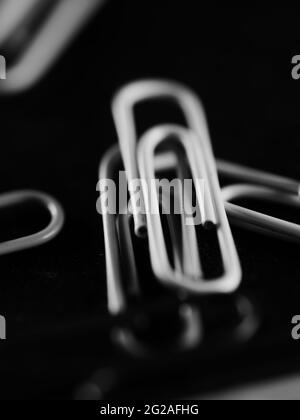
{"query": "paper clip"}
(47, 234)
(259, 222)
(14, 13)
(123, 286)
(258, 184)
(197, 143)
(18, 19)
(241, 174)
(262, 186)
(113, 226)
(244, 174)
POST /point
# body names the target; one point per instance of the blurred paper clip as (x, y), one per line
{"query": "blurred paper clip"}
(246, 175)
(39, 31)
(55, 225)
(197, 146)
(171, 246)
(119, 247)
(258, 185)
(125, 290)
(259, 222)
(265, 187)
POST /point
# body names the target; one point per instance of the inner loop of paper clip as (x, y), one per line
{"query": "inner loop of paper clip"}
(198, 231)
(193, 280)
(259, 222)
(45, 235)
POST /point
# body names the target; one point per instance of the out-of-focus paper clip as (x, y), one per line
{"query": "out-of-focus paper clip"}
(119, 247)
(259, 185)
(262, 186)
(244, 174)
(257, 221)
(55, 225)
(14, 13)
(241, 174)
(197, 146)
(41, 30)
(125, 291)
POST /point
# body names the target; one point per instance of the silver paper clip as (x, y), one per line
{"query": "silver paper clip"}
(244, 174)
(258, 184)
(259, 222)
(265, 187)
(241, 174)
(47, 234)
(196, 143)
(118, 245)
(65, 19)
(123, 285)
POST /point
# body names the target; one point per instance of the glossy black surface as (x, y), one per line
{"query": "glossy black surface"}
(52, 138)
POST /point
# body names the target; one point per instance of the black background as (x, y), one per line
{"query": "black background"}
(238, 59)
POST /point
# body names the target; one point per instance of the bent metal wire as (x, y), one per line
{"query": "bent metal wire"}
(229, 281)
(241, 174)
(256, 221)
(55, 225)
(260, 185)
(123, 112)
(117, 298)
(141, 91)
(244, 174)
(123, 106)
(65, 19)
(119, 245)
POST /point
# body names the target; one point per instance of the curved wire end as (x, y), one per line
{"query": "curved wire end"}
(45, 235)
